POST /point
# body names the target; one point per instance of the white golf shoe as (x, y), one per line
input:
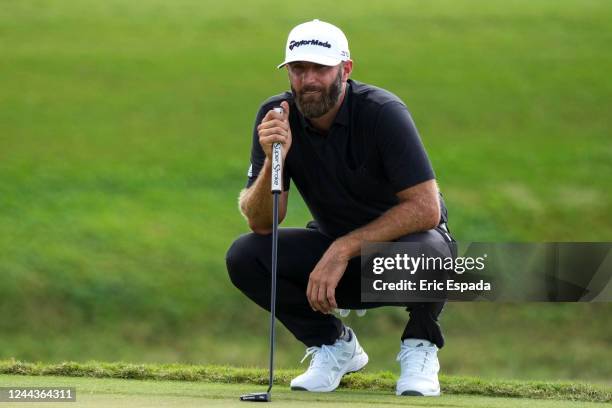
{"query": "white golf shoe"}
(329, 364)
(419, 368)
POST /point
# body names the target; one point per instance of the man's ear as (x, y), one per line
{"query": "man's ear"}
(347, 67)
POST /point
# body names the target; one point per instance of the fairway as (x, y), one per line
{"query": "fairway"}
(95, 392)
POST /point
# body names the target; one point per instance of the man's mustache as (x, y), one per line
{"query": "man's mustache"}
(311, 89)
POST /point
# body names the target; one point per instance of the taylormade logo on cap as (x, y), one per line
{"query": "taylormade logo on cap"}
(316, 41)
(294, 44)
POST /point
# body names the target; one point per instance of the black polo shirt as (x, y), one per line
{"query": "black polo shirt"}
(349, 176)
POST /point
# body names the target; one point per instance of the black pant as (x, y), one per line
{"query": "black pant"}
(249, 265)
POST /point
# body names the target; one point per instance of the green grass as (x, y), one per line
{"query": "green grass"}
(124, 141)
(95, 392)
(488, 341)
(382, 381)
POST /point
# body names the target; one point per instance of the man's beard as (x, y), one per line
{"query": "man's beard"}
(314, 106)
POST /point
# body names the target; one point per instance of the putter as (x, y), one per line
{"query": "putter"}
(277, 187)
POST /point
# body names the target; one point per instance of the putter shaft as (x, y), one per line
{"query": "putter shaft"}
(276, 191)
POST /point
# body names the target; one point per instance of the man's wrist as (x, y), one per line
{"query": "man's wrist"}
(347, 247)
(267, 163)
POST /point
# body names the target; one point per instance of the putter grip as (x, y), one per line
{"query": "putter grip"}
(277, 164)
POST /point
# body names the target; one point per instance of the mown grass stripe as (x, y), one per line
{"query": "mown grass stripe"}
(383, 380)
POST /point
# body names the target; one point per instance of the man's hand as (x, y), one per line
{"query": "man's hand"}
(273, 128)
(321, 290)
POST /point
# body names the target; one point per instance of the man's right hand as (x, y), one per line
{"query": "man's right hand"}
(275, 128)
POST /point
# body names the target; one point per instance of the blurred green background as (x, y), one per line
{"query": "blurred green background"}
(125, 130)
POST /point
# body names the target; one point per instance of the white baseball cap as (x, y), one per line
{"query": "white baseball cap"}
(316, 41)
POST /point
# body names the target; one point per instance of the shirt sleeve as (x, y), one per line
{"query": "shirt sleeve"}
(405, 161)
(258, 156)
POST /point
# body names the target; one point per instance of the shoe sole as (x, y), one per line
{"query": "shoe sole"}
(411, 393)
(361, 362)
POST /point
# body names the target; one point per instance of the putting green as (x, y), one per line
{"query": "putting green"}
(97, 392)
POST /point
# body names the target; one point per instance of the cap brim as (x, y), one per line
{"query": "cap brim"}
(317, 59)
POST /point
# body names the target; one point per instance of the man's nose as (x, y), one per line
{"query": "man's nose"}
(310, 76)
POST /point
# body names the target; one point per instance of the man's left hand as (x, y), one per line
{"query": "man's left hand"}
(321, 290)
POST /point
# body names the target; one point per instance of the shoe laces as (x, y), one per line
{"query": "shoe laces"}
(416, 359)
(321, 356)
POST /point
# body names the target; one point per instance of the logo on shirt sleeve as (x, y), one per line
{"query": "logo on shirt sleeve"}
(250, 172)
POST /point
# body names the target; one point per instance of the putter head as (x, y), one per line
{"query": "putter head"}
(257, 397)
